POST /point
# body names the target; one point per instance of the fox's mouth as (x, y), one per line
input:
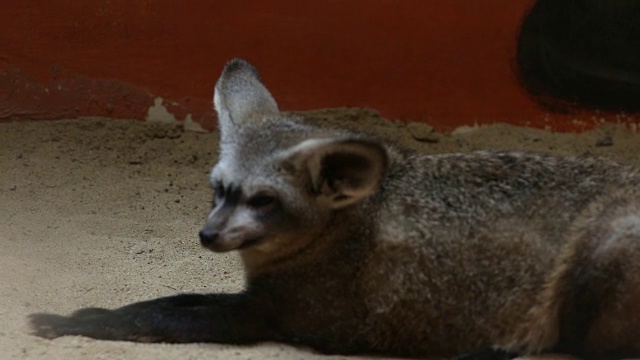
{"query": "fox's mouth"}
(251, 242)
(217, 242)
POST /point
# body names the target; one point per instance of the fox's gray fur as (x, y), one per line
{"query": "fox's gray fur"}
(351, 244)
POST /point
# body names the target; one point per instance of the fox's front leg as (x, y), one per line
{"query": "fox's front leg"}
(223, 318)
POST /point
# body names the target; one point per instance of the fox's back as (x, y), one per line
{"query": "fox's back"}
(457, 195)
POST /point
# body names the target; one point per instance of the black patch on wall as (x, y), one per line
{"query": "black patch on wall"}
(582, 53)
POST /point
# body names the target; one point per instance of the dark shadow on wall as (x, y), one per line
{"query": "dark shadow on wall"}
(582, 54)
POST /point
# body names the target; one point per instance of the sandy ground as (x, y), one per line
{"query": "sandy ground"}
(101, 212)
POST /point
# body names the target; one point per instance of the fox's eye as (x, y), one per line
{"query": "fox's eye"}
(218, 194)
(261, 201)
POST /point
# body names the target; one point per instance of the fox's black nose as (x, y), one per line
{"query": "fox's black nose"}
(207, 237)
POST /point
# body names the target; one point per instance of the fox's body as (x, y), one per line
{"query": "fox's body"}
(353, 245)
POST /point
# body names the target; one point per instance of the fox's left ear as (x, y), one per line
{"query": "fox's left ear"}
(341, 171)
(240, 95)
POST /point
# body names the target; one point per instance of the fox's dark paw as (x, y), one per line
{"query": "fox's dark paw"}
(49, 326)
(81, 322)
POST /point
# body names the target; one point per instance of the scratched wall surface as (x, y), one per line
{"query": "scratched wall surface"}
(449, 63)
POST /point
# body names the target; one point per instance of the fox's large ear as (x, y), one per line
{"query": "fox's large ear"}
(341, 171)
(239, 94)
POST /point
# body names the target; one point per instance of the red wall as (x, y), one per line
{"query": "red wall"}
(443, 61)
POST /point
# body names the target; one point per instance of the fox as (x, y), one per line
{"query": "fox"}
(352, 244)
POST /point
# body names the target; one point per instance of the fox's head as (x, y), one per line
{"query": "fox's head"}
(278, 182)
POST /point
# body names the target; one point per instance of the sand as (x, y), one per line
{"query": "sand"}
(103, 212)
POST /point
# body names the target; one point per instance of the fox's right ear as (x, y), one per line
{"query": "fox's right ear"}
(342, 172)
(239, 94)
